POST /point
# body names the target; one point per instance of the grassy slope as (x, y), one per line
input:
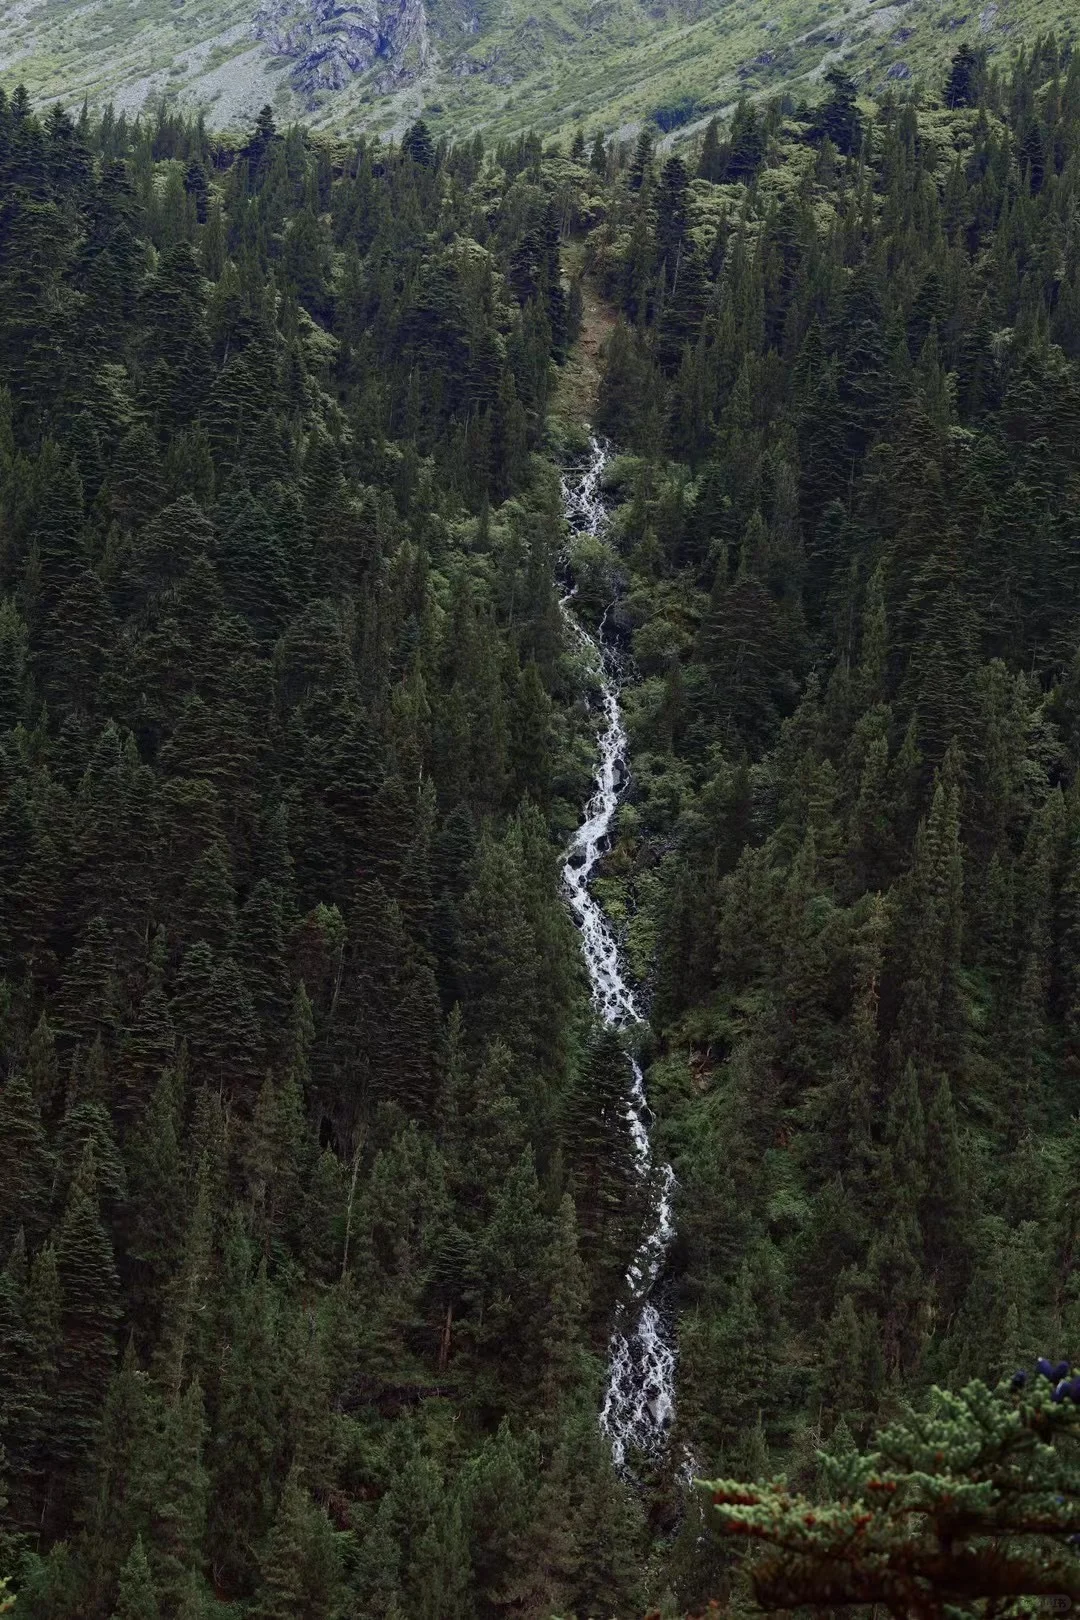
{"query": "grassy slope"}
(127, 50)
(599, 62)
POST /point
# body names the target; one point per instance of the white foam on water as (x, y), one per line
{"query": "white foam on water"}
(639, 1401)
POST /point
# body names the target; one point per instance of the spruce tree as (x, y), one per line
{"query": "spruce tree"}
(28, 1168)
(299, 1572)
(89, 1313)
(137, 1597)
(563, 1341)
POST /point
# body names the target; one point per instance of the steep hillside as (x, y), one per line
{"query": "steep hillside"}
(844, 531)
(500, 65)
(319, 1195)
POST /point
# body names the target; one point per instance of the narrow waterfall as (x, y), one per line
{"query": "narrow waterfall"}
(639, 1401)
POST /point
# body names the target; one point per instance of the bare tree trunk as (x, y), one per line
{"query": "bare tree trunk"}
(444, 1345)
(349, 1207)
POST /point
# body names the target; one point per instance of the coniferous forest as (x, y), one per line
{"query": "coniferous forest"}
(317, 1193)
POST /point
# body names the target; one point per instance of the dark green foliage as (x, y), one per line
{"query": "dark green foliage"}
(284, 723)
(849, 846)
(641, 167)
(603, 1171)
(300, 1571)
(962, 84)
(28, 1170)
(838, 118)
(417, 144)
(674, 114)
(89, 1312)
(672, 220)
(740, 156)
(318, 1190)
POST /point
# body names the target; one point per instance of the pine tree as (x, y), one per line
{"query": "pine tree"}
(642, 160)
(28, 1168)
(42, 1068)
(180, 1299)
(178, 1517)
(21, 1415)
(945, 1213)
(603, 1171)
(511, 1262)
(672, 224)
(276, 1160)
(299, 1572)
(416, 143)
(838, 118)
(89, 1312)
(930, 1024)
(530, 737)
(710, 164)
(86, 1121)
(207, 908)
(961, 86)
(897, 1283)
(176, 351)
(123, 1473)
(157, 1182)
(497, 1491)
(845, 1367)
(241, 1458)
(964, 1505)
(137, 1598)
(563, 1341)
(215, 1013)
(746, 145)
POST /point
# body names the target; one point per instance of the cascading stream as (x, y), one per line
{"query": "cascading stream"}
(639, 1401)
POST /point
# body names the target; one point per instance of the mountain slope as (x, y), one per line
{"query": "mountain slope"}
(499, 65)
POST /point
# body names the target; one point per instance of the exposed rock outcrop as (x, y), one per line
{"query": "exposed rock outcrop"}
(331, 41)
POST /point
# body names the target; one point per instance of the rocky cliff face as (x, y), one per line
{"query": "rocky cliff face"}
(332, 40)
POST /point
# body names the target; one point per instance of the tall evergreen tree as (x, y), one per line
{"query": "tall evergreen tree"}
(89, 1313)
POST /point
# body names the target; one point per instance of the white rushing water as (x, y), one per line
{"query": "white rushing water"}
(639, 1402)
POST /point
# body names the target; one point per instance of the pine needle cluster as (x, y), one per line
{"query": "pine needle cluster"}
(970, 1508)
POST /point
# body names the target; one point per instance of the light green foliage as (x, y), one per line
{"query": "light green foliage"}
(136, 1598)
(502, 68)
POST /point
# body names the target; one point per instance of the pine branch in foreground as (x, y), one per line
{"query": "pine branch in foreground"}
(971, 1508)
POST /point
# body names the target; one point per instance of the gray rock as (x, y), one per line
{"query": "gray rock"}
(763, 59)
(620, 625)
(331, 41)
